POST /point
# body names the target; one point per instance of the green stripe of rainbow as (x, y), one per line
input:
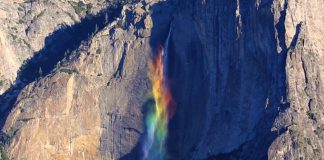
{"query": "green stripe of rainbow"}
(158, 117)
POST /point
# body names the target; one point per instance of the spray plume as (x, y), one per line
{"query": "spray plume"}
(161, 111)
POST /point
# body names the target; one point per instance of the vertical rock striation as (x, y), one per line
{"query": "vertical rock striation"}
(246, 76)
(256, 77)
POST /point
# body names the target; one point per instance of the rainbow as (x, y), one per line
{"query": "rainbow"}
(160, 112)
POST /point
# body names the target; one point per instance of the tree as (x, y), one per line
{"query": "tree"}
(3, 154)
(96, 28)
(106, 19)
(40, 72)
(58, 65)
(66, 53)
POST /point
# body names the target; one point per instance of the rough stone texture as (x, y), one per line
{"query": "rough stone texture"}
(304, 71)
(26, 24)
(90, 106)
(49, 122)
(251, 96)
(247, 78)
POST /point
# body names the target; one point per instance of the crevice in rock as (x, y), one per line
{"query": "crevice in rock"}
(305, 72)
(132, 130)
(281, 29)
(296, 36)
(119, 71)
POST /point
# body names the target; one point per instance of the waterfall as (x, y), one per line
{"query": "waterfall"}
(165, 53)
(157, 119)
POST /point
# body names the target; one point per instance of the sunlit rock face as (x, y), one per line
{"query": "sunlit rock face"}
(246, 79)
(27, 24)
(91, 105)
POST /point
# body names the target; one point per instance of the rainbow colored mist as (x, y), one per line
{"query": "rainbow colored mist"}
(159, 113)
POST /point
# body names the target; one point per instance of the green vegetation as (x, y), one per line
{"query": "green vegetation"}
(26, 119)
(27, 44)
(67, 53)
(22, 67)
(96, 28)
(117, 2)
(5, 140)
(21, 21)
(69, 71)
(80, 7)
(24, 64)
(41, 14)
(14, 37)
(70, 15)
(98, 51)
(15, 29)
(89, 6)
(311, 115)
(38, 16)
(9, 136)
(1, 82)
(121, 24)
(3, 154)
(126, 1)
(20, 9)
(40, 72)
(29, 1)
(58, 66)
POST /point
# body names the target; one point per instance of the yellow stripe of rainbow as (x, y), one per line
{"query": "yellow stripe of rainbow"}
(157, 118)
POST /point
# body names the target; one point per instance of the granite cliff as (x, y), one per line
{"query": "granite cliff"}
(246, 77)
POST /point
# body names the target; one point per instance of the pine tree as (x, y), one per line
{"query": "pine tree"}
(96, 29)
(40, 72)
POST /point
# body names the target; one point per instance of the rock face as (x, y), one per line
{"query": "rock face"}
(256, 79)
(247, 77)
(26, 24)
